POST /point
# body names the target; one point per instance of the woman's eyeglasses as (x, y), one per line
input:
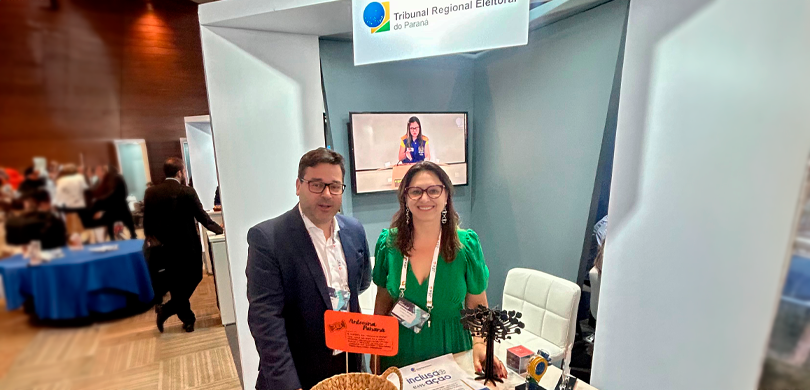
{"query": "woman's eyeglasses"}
(433, 192)
(317, 187)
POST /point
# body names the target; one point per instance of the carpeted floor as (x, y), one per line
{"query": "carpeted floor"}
(127, 353)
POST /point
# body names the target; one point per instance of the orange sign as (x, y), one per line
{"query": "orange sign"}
(361, 333)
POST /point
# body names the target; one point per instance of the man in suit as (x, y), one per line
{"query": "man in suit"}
(170, 211)
(300, 264)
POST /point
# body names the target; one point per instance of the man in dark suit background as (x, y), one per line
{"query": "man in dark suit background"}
(170, 211)
(300, 264)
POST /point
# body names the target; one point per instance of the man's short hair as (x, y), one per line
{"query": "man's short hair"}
(38, 196)
(172, 166)
(320, 156)
(29, 171)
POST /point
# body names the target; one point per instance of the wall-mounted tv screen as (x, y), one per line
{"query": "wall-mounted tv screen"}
(384, 145)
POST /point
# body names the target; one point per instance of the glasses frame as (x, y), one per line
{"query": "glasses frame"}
(326, 185)
(425, 191)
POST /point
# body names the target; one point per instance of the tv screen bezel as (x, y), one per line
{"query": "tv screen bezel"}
(416, 113)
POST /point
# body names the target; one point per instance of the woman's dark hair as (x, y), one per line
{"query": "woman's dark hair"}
(404, 239)
(420, 141)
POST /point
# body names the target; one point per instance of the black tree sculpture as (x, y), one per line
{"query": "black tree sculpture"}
(492, 325)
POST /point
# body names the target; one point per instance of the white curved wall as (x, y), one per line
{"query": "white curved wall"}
(712, 144)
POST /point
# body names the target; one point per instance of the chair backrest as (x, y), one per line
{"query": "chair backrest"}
(548, 303)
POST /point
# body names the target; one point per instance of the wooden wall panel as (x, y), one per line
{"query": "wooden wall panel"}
(73, 79)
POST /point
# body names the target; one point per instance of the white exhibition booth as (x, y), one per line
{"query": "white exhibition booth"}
(203, 168)
(201, 153)
(692, 265)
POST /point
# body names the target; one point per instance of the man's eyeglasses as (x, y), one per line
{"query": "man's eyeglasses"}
(317, 187)
(433, 192)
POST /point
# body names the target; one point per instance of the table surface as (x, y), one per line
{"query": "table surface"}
(73, 257)
(464, 359)
(80, 282)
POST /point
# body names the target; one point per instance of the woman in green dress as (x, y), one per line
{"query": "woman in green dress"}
(424, 230)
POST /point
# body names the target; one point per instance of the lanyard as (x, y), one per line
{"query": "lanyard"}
(431, 278)
(334, 265)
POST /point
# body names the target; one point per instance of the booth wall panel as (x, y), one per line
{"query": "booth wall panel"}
(435, 84)
(203, 163)
(540, 117)
(712, 147)
(266, 112)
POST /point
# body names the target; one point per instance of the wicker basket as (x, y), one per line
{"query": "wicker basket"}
(360, 381)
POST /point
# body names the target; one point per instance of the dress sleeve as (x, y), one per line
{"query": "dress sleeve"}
(380, 273)
(477, 273)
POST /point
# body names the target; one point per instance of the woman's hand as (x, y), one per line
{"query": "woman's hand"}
(480, 358)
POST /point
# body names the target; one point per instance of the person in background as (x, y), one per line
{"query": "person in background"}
(51, 173)
(7, 193)
(300, 264)
(600, 231)
(111, 204)
(37, 222)
(94, 175)
(427, 246)
(170, 211)
(414, 146)
(70, 188)
(217, 201)
(54, 168)
(32, 183)
(14, 177)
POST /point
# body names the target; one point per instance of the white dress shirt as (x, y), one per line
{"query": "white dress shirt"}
(333, 260)
(330, 254)
(70, 191)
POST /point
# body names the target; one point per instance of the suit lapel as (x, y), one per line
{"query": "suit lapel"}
(309, 255)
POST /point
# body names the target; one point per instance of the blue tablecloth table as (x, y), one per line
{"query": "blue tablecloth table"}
(81, 283)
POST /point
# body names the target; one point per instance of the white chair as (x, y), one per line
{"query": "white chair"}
(549, 307)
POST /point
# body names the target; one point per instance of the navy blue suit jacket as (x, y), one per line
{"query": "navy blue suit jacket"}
(288, 297)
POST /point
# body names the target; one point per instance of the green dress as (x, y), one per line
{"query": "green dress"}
(468, 273)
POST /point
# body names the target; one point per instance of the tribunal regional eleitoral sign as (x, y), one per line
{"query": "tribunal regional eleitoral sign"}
(403, 29)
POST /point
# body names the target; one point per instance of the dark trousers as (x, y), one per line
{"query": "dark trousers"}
(179, 303)
(181, 276)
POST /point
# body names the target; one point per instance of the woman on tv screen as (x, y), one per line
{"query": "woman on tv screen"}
(414, 146)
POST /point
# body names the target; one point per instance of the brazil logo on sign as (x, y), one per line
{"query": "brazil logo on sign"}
(376, 16)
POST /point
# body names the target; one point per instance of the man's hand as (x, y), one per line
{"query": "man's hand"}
(98, 215)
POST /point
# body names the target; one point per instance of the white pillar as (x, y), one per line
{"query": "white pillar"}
(266, 111)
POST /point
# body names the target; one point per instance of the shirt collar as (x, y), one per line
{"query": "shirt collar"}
(310, 225)
(174, 178)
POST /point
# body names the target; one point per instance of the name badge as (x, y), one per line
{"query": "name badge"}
(410, 315)
(340, 299)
